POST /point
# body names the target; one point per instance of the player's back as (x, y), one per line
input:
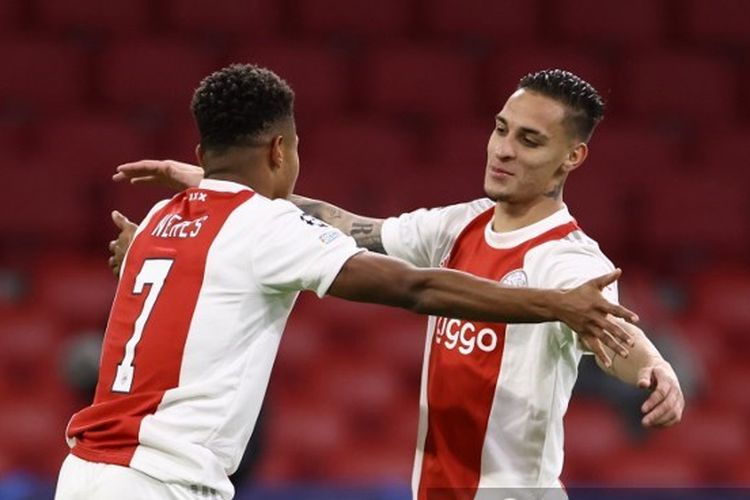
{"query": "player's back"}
(192, 336)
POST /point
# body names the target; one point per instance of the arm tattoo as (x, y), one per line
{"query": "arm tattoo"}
(367, 235)
(365, 231)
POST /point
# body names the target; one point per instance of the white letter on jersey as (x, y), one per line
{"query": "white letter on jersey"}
(153, 272)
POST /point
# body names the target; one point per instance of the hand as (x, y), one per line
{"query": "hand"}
(119, 247)
(585, 311)
(665, 404)
(169, 173)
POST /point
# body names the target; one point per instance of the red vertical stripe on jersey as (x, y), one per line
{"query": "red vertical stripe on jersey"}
(461, 376)
(107, 431)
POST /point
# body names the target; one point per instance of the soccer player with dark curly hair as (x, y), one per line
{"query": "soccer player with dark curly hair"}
(205, 290)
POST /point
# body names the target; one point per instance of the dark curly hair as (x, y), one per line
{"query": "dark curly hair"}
(234, 105)
(585, 105)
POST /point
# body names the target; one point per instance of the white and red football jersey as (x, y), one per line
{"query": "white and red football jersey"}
(204, 294)
(493, 395)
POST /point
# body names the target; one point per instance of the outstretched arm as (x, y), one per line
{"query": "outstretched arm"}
(647, 369)
(179, 175)
(366, 231)
(369, 277)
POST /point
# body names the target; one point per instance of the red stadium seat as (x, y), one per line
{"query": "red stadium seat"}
(318, 75)
(717, 21)
(337, 18)
(517, 19)
(350, 160)
(154, 75)
(714, 438)
(88, 16)
(633, 154)
(699, 216)
(650, 467)
(598, 202)
(10, 17)
(51, 206)
(42, 75)
(76, 288)
(724, 153)
(673, 87)
(593, 432)
(639, 22)
(90, 146)
(420, 81)
(239, 18)
(506, 68)
(721, 293)
(35, 436)
(29, 351)
(463, 143)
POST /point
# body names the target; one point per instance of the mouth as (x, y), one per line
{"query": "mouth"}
(499, 173)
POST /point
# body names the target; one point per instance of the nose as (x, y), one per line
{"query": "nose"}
(503, 148)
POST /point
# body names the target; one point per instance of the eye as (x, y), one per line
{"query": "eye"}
(529, 142)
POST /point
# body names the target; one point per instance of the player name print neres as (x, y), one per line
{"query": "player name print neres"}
(174, 226)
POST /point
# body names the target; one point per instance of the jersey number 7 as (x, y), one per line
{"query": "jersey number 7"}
(154, 272)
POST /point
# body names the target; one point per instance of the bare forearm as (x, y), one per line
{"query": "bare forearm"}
(642, 354)
(383, 280)
(364, 230)
(458, 295)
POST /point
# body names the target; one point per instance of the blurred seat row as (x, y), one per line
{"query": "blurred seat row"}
(419, 80)
(638, 23)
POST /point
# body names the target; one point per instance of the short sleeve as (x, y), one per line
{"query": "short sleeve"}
(295, 251)
(424, 237)
(569, 263)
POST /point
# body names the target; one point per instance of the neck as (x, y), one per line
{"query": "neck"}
(511, 216)
(239, 168)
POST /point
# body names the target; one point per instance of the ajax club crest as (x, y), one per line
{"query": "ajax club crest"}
(515, 279)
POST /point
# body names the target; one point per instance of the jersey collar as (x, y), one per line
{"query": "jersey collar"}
(223, 186)
(514, 238)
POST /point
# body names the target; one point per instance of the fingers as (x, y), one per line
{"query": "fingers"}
(665, 404)
(598, 349)
(621, 312)
(141, 168)
(120, 221)
(645, 380)
(615, 337)
(607, 279)
(663, 412)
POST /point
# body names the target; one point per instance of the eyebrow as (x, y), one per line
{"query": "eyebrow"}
(524, 130)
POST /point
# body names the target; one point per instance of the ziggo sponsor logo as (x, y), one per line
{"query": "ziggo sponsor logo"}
(454, 332)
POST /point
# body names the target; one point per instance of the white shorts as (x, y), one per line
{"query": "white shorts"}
(83, 480)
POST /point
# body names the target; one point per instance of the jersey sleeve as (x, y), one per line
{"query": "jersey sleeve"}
(295, 251)
(424, 237)
(568, 264)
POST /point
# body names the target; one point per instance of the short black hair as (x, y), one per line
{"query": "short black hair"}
(585, 105)
(234, 105)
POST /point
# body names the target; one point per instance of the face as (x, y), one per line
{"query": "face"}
(530, 151)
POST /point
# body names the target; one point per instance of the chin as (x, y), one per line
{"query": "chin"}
(495, 194)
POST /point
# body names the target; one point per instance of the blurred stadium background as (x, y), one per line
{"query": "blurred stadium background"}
(395, 102)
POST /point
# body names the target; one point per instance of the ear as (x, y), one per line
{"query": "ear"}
(576, 157)
(199, 154)
(277, 152)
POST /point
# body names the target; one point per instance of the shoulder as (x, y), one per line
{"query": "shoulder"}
(576, 257)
